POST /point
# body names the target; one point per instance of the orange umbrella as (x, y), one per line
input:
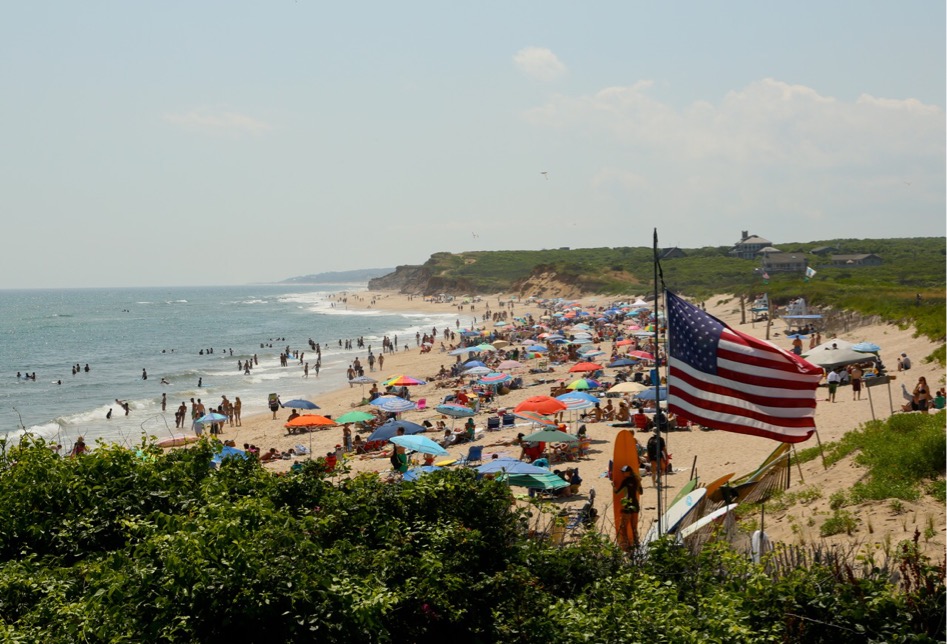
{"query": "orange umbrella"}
(309, 420)
(585, 366)
(541, 404)
(624, 343)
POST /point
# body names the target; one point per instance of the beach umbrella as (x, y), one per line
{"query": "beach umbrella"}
(594, 353)
(477, 371)
(416, 472)
(300, 404)
(485, 347)
(494, 378)
(421, 444)
(537, 348)
(362, 380)
(509, 364)
(470, 364)
(575, 400)
(461, 351)
(510, 466)
(584, 367)
(500, 323)
(583, 383)
(227, 452)
(624, 343)
(866, 347)
(551, 436)
(310, 420)
(534, 417)
(797, 336)
(402, 380)
(541, 405)
(212, 417)
(643, 355)
(622, 362)
(455, 411)
(627, 388)
(500, 344)
(354, 417)
(393, 404)
(648, 394)
(390, 429)
(547, 481)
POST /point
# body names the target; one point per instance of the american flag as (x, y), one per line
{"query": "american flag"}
(723, 379)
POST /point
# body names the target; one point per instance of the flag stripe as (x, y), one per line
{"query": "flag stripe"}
(754, 394)
(723, 407)
(762, 430)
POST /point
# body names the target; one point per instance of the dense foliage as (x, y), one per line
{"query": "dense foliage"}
(125, 546)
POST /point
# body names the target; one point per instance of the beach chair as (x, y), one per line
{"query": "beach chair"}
(509, 420)
(421, 404)
(493, 424)
(474, 455)
(584, 517)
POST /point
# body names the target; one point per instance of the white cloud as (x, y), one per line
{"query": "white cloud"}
(539, 63)
(217, 121)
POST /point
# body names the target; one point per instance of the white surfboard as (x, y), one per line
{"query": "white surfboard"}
(675, 514)
(707, 520)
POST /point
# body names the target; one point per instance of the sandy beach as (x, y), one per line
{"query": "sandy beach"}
(710, 453)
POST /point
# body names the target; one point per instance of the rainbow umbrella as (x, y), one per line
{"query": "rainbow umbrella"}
(402, 380)
(584, 383)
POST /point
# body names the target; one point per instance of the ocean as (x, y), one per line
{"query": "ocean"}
(120, 332)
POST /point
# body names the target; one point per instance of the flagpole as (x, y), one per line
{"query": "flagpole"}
(657, 385)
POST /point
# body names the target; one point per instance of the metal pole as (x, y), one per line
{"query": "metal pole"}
(871, 404)
(657, 385)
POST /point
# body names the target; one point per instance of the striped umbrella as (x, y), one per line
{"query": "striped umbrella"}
(402, 380)
(643, 355)
(393, 404)
(494, 378)
(575, 400)
(584, 383)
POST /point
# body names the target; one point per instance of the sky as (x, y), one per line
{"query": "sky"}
(214, 143)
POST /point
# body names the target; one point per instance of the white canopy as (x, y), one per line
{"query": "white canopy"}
(835, 353)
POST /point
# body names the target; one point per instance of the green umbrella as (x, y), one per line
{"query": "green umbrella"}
(551, 436)
(548, 481)
(354, 417)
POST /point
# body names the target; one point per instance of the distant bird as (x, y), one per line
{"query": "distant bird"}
(907, 183)
(476, 236)
(545, 174)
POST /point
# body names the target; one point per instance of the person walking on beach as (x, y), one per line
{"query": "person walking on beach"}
(833, 380)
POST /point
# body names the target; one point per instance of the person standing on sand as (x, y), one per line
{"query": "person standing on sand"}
(631, 484)
(237, 406)
(856, 373)
(833, 380)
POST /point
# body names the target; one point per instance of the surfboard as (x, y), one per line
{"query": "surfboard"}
(676, 513)
(625, 453)
(446, 462)
(713, 486)
(705, 521)
(687, 489)
(176, 440)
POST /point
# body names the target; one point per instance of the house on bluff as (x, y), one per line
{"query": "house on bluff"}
(749, 246)
(859, 259)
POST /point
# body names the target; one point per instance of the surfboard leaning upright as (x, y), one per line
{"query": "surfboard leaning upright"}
(626, 524)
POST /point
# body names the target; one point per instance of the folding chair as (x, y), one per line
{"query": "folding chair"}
(493, 423)
(474, 455)
(421, 404)
(509, 420)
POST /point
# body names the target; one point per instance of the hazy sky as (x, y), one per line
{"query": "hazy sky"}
(180, 143)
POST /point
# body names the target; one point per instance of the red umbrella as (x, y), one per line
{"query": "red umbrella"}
(309, 420)
(585, 366)
(541, 405)
(624, 343)
(643, 355)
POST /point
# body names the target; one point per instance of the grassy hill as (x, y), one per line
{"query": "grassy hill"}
(911, 267)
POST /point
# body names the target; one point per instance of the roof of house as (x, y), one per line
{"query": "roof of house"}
(754, 239)
(852, 258)
(769, 249)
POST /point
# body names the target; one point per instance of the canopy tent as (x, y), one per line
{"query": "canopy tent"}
(835, 353)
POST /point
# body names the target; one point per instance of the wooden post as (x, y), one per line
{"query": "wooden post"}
(798, 466)
(693, 467)
(821, 451)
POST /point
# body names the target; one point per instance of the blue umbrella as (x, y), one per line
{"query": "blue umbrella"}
(390, 429)
(227, 452)
(470, 364)
(421, 444)
(537, 348)
(212, 417)
(510, 466)
(455, 411)
(578, 400)
(648, 394)
(301, 404)
(393, 404)
(866, 347)
(416, 472)
(622, 362)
